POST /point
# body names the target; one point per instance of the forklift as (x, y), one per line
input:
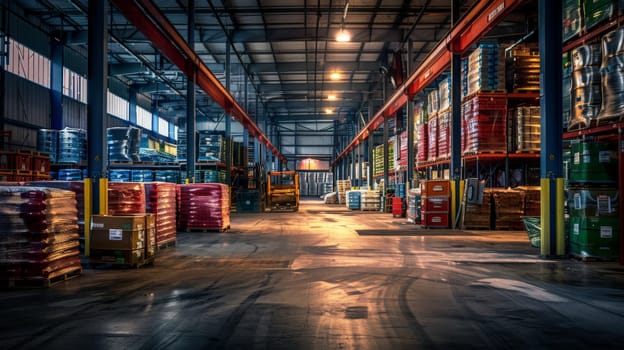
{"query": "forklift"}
(283, 191)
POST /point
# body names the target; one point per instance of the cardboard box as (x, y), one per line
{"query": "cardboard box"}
(118, 257)
(118, 232)
(150, 235)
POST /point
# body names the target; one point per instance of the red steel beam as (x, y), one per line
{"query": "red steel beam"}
(479, 20)
(156, 27)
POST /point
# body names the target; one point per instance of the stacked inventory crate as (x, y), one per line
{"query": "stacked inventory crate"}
(126, 240)
(571, 19)
(523, 68)
(566, 89)
(444, 135)
(204, 207)
(16, 165)
(161, 201)
(508, 209)
(413, 211)
(435, 205)
(39, 235)
(524, 129)
(370, 201)
(432, 125)
(402, 163)
(398, 207)
(354, 198)
(423, 143)
(586, 87)
(598, 11)
(486, 69)
(47, 142)
(612, 77)
(211, 146)
(126, 198)
(485, 124)
(72, 146)
(444, 94)
(123, 144)
(593, 200)
(378, 161)
(343, 186)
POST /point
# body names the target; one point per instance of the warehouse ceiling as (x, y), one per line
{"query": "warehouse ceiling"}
(282, 54)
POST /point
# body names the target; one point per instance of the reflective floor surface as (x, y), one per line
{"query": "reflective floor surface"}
(328, 278)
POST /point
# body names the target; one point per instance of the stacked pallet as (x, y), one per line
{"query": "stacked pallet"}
(444, 135)
(181, 145)
(370, 201)
(532, 200)
(161, 201)
(72, 146)
(478, 216)
(126, 198)
(204, 207)
(343, 186)
(38, 235)
(524, 129)
(122, 240)
(523, 69)
(485, 125)
(423, 143)
(612, 77)
(403, 150)
(508, 209)
(432, 138)
(123, 144)
(354, 200)
(586, 88)
(47, 142)
(211, 146)
(444, 94)
(413, 206)
(435, 203)
(486, 69)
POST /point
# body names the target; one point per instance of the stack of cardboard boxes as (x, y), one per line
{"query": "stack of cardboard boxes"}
(123, 240)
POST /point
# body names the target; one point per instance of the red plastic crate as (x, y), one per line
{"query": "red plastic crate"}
(435, 188)
(398, 208)
(435, 219)
(435, 204)
(41, 163)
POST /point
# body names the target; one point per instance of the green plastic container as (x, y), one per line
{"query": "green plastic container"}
(597, 11)
(593, 163)
(596, 237)
(533, 228)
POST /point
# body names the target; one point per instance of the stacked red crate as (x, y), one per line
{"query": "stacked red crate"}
(398, 207)
(432, 139)
(435, 203)
(485, 125)
(204, 206)
(423, 143)
(161, 201)
(126, 198)
(403, 149)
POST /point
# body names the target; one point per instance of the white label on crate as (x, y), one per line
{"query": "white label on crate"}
(577, 158)
(96, 225)
(437, 188)
(604, 157)
(603, 202)
(436, 219)
(115, 234)
(586, 156)
(576, 229)
(578, 201)
(139, 244)
(606, 232)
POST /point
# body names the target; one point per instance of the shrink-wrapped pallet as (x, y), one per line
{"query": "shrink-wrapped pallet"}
(126, 198)
(161, 201)
(204, 207)
(38, 234)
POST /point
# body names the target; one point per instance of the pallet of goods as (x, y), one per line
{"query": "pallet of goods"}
(161, 201)
(524, 129)
(479, 216)
(485, 125)
(39, 243)
(508, 209)
(204, 207)
(125, 240)
(435, 203)
(126, 198)
(586, 89)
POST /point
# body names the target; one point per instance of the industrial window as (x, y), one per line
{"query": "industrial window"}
(175, 132)
(163, 127)
(28, 64)
(117, 106)
(74, 85)
(144, 118)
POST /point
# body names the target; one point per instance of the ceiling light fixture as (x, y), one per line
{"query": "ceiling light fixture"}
(343, 35)
(335, 75)
(331, 97)
(329, 111)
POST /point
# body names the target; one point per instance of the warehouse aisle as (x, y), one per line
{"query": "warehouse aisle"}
(328, 278)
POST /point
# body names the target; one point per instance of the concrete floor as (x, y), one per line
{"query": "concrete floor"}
(309, 280)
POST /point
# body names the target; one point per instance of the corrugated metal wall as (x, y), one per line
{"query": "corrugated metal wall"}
(74, 113)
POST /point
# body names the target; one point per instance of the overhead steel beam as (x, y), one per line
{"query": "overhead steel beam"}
(293, 67)
(472, 27)
(154, 25)
(126, 68)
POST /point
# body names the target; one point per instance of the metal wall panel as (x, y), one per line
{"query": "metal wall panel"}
(26, 102)
(75, 61)
(22, 137)
(316, 140)
(74, 113)
(28, 35)
(114, 122)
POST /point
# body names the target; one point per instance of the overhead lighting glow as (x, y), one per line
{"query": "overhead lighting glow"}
(343, 36)
(331, 97)
(334, 76)
(329, 111)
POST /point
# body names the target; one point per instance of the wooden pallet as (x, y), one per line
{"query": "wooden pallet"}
(167, 244)
(54, 279)
(206, 229)
(97, 263)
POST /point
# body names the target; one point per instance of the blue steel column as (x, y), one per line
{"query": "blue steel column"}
(360, 153)
(455, 164)
(354, 159)
(409, 175)
(190, 100)
(551, 163)
(96, 106)
(228, 118)
(56, 84)
(370, 143)
(132, 104)
(386, 175)
(245, 132)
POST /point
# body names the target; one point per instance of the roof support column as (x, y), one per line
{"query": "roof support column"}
(190, 98)
(385, 137)
(360, 153)
(56, 84)
(228, 117)
(455, 163)
(409, 173)
(96, 106)
(354, 158)
(551, 163)
(370, 143)
(245, 132)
